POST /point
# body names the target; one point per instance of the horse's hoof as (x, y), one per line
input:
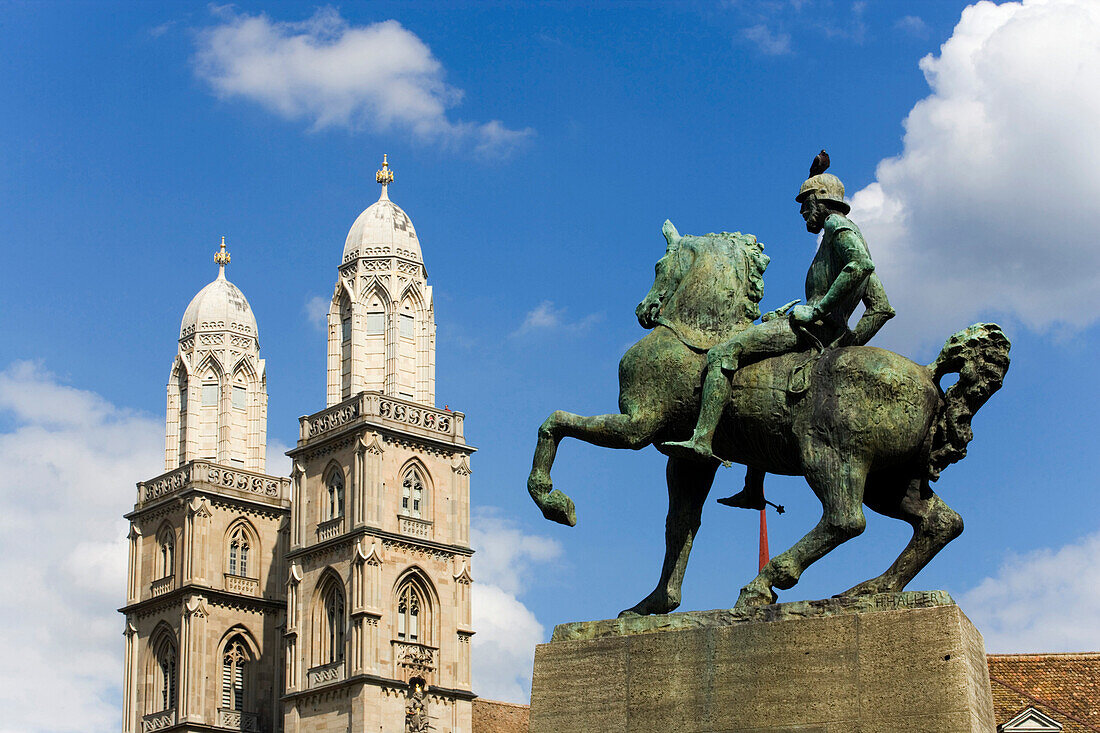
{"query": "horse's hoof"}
(557, 507)
(651, 605)
(751, 596)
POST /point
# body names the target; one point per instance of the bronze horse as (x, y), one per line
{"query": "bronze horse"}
(863, 425)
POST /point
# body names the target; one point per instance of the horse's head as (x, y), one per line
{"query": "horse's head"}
(668, 271)
(706, 287)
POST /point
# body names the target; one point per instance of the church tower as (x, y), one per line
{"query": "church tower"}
(378, 586)
(381, 326)
(205, 598)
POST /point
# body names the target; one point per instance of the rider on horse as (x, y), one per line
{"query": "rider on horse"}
(841, 275)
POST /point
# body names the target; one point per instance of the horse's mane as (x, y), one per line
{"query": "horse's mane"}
(756, 261)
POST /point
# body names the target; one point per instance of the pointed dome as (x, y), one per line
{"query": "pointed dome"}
(220, 306)
(383, 228)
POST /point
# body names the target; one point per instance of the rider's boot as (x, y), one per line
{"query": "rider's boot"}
(716, 394)
(750, 497)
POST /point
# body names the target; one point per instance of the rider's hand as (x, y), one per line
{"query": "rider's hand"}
(778, 312)
(804, 314)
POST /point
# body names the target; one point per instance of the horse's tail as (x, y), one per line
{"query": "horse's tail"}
(979, 355)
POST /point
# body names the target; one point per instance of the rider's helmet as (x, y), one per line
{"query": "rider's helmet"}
(825, 187)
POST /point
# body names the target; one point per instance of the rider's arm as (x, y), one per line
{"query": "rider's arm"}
(851, 250)
(877, 313)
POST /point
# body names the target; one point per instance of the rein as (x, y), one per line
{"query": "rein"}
(698, 349)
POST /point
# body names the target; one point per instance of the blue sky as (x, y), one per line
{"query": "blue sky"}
(538, 148)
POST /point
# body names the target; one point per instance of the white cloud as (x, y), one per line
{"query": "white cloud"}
(278, 462)
(159, 30)
(914, 25)
(546, 317)
(70, 462)
(331, 73)
(989, 211)
(770, 43)
(1045, 601)
(316, 310)
(507, 631)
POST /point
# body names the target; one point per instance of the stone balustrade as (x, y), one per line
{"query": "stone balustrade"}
(326, 673)
(418, 658)
(414, 527)
(162, 585)
(330, 528)
(240, 584)
(158, 721)
(401, 413)
(208, 473)
(238, 720)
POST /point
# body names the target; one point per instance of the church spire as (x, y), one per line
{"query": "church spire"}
(222, 258)
(385, 177)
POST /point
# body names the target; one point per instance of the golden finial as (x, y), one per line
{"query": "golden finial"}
(384, 176)
(222, 258)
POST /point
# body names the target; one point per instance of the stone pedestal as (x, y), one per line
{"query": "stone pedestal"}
(892, 662)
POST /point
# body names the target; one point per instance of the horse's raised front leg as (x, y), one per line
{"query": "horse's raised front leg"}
(689, 482)
(839, 484)
(934, 525)
(609, 431)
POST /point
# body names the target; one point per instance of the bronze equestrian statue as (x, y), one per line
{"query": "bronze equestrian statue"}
(796, 395)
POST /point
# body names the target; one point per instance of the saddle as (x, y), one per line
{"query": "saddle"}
(799, 379)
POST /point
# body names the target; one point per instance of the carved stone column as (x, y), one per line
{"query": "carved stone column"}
(195, 540)
(293, 626)
(358, 336)
(255, 432)
(225, 412)
(189, 442)
(297, 505)
(355, 481)
(463, 662)
(423, 357)
(392, 336)
(192, 660)
(372, 469)
(463, 581)
(334, 365)
(460, 496)
(172, 425)
(129, 680)
(133, 589)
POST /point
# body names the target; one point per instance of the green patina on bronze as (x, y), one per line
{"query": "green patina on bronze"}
(796, 394)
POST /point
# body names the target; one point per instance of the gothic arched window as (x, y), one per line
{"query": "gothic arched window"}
(412, 494)
(166, 553)
(239, 547)
(164, 674)
(334, 494)
(412, 614)
(234, 673)
(330, 624)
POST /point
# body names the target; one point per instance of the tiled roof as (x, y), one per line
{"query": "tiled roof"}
(1064, 686)
(491, 716)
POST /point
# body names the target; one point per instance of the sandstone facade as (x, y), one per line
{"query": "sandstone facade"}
(339, 598)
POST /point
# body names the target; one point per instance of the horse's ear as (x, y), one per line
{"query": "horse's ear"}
(671, 235)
